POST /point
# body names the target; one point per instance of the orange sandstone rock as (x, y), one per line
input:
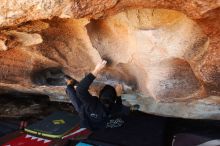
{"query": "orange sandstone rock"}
(166, 50)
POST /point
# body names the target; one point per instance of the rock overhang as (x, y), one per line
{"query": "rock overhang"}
(159, 53)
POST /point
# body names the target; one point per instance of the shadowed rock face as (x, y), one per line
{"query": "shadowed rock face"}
(158, 54)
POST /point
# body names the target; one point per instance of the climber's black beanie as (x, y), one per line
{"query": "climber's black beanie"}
(107, 95)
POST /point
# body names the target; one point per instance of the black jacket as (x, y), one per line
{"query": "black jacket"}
(93, 114)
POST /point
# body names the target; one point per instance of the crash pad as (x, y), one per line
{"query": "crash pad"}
(55, 125)
(26, 140)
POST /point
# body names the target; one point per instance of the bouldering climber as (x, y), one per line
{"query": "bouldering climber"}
(95, 113)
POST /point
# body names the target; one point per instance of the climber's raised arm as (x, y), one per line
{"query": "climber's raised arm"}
(84, 84)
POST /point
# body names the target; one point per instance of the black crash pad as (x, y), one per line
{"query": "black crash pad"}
(55, 125)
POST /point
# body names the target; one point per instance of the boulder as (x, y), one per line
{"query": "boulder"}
(164, 52)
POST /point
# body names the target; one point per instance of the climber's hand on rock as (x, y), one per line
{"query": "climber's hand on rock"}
(118, 89)
(135, 107)
(99, 67)
(69, 82)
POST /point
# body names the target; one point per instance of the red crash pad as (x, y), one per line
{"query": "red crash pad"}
(28, 140)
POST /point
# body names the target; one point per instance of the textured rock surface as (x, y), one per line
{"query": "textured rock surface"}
(159, 45)
(14, 12)
(168, 56)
